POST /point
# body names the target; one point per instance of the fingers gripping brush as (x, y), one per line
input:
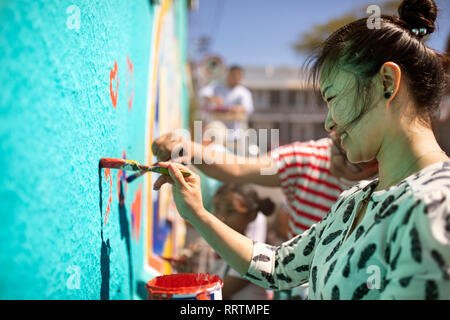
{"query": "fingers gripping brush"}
(130, 165)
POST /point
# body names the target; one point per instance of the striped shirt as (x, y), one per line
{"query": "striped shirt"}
(307, 183)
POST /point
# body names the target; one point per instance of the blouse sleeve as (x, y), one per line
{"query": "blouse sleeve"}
(419, 250)
(285, 266)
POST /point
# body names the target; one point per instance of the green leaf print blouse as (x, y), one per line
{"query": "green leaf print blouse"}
(400, 250)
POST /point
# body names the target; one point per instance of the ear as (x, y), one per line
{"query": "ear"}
(390, 76)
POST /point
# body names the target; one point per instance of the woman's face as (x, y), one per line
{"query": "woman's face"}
(360, 141)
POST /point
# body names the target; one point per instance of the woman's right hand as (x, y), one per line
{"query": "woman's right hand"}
(172, 146)
(186, 190)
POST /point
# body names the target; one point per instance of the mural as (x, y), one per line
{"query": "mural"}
(165, 229)
(82, 81)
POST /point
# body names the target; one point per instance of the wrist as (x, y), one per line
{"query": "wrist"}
(199, 217)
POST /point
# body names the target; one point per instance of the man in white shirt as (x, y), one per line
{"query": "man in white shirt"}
(230, 102)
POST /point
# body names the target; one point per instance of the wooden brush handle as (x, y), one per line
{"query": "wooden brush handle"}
(130, 165)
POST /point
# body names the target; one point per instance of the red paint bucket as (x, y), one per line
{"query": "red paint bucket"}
(185, 286)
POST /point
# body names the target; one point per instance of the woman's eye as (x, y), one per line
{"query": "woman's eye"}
(331, 98)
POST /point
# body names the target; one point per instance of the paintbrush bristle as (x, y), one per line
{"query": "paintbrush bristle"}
(112, 163)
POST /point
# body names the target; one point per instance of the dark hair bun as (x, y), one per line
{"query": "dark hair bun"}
(266, 206)
(419, 14)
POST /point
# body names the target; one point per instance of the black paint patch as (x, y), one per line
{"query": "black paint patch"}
(281, 276)
(437, 178)
(335, 293)
(430, 207)
(359, 232)
(331, 237)
(409, 212)
(386, 203)
(404, 282)
(302, 268)
(416, 247)
(261, 257)
(105, 248)
(387, 253)
(346, 270)
(394, 235)
(288, 258)
(431, 290)
(309, 247)
(314, 278)
(437, 257)
(395, 260)
(384, 284)
(268, 277)
(360, 291)
(330, 271)
(248, 275)
(125, 233)
(333, 252)
(366, 254)
(348, 210)
(105, 268)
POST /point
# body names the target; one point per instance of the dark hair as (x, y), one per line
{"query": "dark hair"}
(235, 67)
(362, 51)
(251, 199)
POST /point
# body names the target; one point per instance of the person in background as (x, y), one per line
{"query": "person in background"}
(311, 174)
(240, 207)
(214, 137)
(380, 106)
(230, 101)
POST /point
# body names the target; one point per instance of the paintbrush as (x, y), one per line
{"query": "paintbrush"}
(134, 176)
(130, 165)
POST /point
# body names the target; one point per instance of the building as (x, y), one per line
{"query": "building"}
(282, 100)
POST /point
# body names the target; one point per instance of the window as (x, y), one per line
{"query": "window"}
(292, 97)
(275, 97)
(305, 97)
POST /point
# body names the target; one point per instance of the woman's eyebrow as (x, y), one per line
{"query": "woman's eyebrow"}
(325, 90)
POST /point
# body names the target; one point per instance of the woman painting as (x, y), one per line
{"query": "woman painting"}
(387, 238)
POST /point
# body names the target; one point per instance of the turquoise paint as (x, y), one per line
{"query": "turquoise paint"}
(56, 122)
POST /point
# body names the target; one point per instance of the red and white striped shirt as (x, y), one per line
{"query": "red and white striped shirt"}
(306, 181)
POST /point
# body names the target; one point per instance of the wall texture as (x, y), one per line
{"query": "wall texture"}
(79, 82)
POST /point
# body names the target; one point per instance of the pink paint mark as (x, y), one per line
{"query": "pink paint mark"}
(112, 76)
(130, 78)
(108, 208)
(136, 214)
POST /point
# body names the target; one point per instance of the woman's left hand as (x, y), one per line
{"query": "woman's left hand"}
(186, 190)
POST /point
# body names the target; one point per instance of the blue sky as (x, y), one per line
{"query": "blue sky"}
(260, 32)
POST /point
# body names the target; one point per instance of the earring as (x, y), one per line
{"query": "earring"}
(388, 94)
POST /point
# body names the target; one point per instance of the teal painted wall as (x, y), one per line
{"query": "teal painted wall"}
(57, 120)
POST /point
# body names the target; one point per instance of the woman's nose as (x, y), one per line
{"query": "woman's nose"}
(330, 125)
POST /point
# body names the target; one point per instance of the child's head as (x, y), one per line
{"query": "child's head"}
(237, 205)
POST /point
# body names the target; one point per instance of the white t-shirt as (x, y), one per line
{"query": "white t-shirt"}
(256, 231)
(238, 95)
